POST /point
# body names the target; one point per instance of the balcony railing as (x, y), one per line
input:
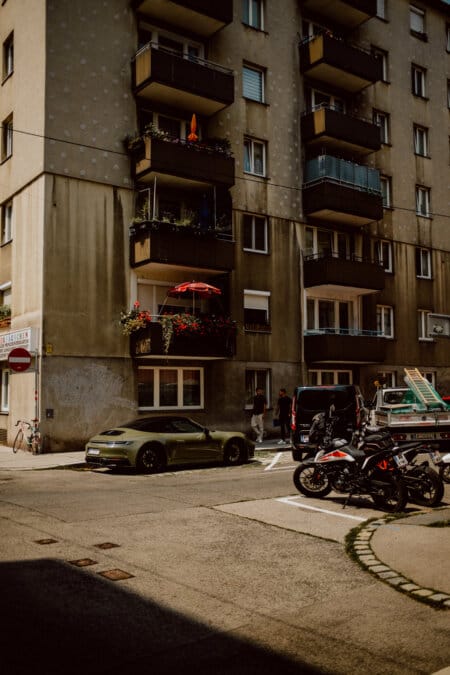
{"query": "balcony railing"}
(365, 276)
(329, 126)
(331, 345)
(153, 341)
(182, 80)
(341, 171)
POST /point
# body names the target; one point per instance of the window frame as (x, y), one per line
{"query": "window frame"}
(418, 81)
(384, 56)
(381, 9)
(315, 376)
(383, 254)
(420, 138)
(336, 329)
(253, 218)
(5, 390)
(6, 222)
(259, 301)
(386, 191)
(8, 57)
(382, 310)
(156, 388)
(251, 143)
(7, 138)
(381, 119)
(417, 21)
(247, 16)
(424, 268)
(422, 325)
(260, 72)
(257, 378)
(422, 191)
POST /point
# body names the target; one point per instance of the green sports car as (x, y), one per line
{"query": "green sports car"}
(150, 444)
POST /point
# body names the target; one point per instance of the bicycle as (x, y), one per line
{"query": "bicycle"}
(28, 437)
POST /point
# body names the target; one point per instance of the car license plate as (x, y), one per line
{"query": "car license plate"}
(423, 436)
(304, 438)
(400, 460)
(93, 451)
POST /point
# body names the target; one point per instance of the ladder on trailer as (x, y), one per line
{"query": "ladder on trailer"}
(423, 390)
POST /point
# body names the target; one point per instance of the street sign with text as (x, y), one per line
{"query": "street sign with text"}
(19, 359)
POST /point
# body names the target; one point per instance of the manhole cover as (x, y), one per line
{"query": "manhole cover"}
(46, 541)
(83, 562)
(116, 575)
(106, 544)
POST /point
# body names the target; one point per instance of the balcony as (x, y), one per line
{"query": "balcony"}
(195, 85)
(339, 132)
(347, 13)
(339, 191)
(336, 346)
(153, 244)
(328, 59)
(332, 273)
(202, 17)
(151, 342)
(176, 162)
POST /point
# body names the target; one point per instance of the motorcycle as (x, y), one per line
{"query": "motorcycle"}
(425, 486)
(370, 464)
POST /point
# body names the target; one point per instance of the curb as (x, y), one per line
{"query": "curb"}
(359, 547)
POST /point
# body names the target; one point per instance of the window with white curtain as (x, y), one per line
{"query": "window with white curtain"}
(385, 321)
(416, 20)
(422, 201)
(7, 212)
(252, 13)
(422, 325)
(423, 263)
(420, 140)
(254, 157)
(4, 395)
(256, 310)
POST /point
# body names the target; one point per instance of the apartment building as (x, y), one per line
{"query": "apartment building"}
(293, 156)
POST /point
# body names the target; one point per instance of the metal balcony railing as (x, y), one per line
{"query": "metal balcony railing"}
(326, 167)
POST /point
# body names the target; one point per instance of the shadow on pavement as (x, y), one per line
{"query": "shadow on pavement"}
(61, 619)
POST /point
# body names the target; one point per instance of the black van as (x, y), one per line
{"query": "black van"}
(308, 401)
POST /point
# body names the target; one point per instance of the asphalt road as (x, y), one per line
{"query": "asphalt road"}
(214, 570)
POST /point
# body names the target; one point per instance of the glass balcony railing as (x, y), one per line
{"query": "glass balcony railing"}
(326, 167)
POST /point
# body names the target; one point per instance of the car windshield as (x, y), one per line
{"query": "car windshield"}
(320, 399)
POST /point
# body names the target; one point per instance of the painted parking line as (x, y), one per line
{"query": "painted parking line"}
(290, 501)
(275, 460)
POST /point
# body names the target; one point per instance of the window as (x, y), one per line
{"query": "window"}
(327, 377)
(381, 9)
(4, 396)
(448, 93)
(448, 37)
(385, 321)
(421, 141)
(417, 21)
(6, 294)
(325, 243)
(255, 233)
(386, 191)
(387, 377)
(170, 388)
(382, 120)
(8, 56)
(422, 201)
(254, 157)
(329, 316)
(422, 325)
(383, 254)
(418, 81)
(310, 29)
(318, 99)
(7, 138)
(253, 84)
(253, 13)
(383, 56)
(256, 379)
(423, 263)
(256, 310)
(6, 234)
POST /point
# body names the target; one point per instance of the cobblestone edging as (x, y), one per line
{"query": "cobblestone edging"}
(358, 545)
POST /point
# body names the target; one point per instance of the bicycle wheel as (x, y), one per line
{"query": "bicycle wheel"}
(36, 443)
(19, 441)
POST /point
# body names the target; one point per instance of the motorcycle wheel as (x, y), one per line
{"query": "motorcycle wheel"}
(429, 488)
(311, 481)
(444, 473)
(395, 496)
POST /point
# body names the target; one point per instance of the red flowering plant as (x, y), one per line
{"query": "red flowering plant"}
(134, 319)
(191, 325)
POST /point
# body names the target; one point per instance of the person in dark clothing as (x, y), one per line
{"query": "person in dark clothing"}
(283, 412)
(258, 412)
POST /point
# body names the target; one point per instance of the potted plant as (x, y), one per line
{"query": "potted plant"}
(134, 319)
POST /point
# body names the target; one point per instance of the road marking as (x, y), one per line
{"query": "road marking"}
(288, 500)
(274, 461)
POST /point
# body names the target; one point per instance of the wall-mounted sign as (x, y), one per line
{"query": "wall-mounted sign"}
(19, 359)
(25, 338)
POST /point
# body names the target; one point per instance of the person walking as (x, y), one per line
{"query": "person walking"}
(258, 412)
(283, 412)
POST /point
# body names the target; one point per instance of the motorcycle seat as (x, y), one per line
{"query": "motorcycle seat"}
(356, 453)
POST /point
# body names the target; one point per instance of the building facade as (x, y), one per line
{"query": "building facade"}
(293, 156)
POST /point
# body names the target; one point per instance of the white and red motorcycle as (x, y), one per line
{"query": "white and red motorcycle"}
(370, 465)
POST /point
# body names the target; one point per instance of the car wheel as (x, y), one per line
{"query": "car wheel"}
(150, 459)
(234, 452)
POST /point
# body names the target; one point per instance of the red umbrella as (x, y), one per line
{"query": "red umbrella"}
(195, 287)
(193, 136)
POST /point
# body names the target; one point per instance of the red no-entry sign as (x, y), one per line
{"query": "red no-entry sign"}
(19, 359)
